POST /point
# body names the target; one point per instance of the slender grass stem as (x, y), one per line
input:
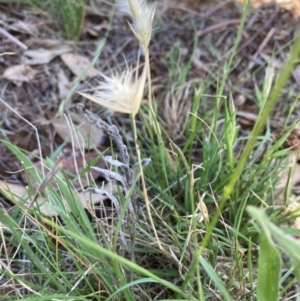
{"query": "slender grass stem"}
(147, 62)
(146, 199)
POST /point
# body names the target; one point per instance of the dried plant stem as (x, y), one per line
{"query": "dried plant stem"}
(147, 62)
(12, 38)
(151, 109)
(35, 130)
(147, 203)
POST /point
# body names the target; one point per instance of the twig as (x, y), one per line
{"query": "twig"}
(218, 26)
(262, 45)
(34, 128)
(253, 37)
(12, 38)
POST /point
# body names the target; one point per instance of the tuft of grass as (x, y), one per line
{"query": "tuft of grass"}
(72, 13)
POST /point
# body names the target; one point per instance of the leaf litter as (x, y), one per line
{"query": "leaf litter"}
(44, 56)
(19, 73)
(78, 63)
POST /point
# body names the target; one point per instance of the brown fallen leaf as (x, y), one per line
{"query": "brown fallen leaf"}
(72, 166)
(19, 73)
(78, 64)
(276, 63)
(44, 56)
(89, 136)
(21, 26)
(19, 196)
(63, 84)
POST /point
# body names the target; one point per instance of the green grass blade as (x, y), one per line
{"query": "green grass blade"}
(215, 278)
(288, 244)
(269, 266)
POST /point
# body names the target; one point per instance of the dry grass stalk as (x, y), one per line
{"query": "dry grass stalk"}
(121, 93)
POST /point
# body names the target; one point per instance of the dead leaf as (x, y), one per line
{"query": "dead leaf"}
(21, 26)
(69, 164)
(78, 63)
(72, 166)
(275, 63)
(19, 196)
(90, 135)
(88, 198)
(63, 84)
(44, 56)
(19, 73)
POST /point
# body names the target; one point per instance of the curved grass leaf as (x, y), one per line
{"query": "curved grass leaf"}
(288, 244)
(269, 266)
(215, 278)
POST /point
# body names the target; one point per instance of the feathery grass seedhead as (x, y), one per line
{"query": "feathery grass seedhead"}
(142, 15)
(121, 92)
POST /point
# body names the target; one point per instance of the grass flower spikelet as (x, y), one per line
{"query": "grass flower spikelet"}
(121, 92)
(142, 15)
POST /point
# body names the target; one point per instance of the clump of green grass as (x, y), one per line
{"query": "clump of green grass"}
(72, 13)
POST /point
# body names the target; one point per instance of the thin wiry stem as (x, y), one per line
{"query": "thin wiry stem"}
(146, 199)
(35, 130)
(12, 38)
(147, 63)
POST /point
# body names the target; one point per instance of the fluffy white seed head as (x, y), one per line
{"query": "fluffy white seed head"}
(121, 92)
(142, 15)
